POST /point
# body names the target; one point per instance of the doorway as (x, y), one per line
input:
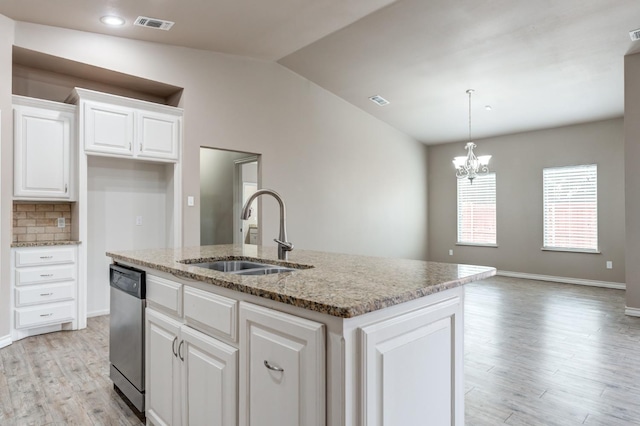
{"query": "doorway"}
(227, 179)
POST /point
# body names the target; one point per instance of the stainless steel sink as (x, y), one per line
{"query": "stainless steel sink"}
(243, 267)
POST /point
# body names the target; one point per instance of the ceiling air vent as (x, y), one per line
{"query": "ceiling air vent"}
(379, 100)
(635, 34)
(158, 24)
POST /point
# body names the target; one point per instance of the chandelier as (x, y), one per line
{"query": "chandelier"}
(470, 166)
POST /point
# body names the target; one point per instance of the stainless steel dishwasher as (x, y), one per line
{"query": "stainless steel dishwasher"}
(126, 333)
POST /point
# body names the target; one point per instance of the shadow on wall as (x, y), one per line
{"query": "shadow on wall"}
(227, 179)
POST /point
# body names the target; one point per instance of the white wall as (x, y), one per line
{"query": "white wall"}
(351, 183)
(118, 192)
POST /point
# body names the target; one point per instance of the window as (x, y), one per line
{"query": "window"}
(571, 208)
(477, 210)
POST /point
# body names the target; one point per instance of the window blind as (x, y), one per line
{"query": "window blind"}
(571, 207)
(477, 210)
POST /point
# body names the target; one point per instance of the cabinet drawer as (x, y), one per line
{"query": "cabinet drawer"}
(216, 314)
(45, 275)
(165, 293)
(36, 316)
(34, 295)
(45, 257)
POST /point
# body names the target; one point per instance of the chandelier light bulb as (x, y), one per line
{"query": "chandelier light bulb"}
(470, 167)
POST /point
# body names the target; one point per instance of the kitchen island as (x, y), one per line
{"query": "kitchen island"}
(340, 340)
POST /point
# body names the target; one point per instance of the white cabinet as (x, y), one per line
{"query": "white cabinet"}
(43, 290)
(123, 127)
(43, 149)
(420, 354)
(191, 378)
(158, 135)
(108, 128)
(209, 369)
(162, 369)
(282, 369)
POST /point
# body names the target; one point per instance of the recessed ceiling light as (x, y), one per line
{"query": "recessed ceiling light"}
(112, 21)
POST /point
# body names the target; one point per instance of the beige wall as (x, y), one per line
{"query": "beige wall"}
(6, 169)
(351, 183)
(518, 161)
(216, 195)
(632, 177)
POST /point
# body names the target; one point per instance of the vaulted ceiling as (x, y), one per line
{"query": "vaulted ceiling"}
(537, 64)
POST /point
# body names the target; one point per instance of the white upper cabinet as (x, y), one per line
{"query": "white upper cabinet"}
(123, 127)
(43, 142)
(158, 135)
(108, 128)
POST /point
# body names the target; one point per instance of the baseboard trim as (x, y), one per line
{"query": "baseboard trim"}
(632, 312)
(5, 341)
(564, 280)
(98, 313)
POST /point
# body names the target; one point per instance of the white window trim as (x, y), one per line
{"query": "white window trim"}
(595, 250)
(471, 243)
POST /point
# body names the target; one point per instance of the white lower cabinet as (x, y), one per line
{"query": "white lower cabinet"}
(43, 290)
(282, 369)
(191, 377)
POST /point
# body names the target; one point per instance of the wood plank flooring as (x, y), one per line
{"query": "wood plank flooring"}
(539, 353)
(536, 353)
(61, 379)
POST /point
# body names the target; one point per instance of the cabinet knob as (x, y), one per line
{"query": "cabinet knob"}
(271, 367)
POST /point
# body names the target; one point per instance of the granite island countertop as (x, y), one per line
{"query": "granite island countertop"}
(341, 285)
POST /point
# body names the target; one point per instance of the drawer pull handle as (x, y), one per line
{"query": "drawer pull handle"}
(46, 294)
(180, 350)
(46, 275)
(46, 257)
(46, 315)
(271, 367)
(173, 346)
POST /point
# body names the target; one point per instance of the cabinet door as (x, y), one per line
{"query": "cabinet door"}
(282, 369)
(158, 136)
(42, 159)
(209, 378)
(162, 369)
(108, 129)
(412, 368)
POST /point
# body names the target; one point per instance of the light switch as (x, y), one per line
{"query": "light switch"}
(450, 252)
(138, 220)
(609, 264)
(190, 201)
(61, 222)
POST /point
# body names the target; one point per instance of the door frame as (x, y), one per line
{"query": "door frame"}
(237, 198)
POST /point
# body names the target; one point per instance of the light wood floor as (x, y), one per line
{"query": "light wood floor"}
(535, 354)
(61, 379)
(548, 354)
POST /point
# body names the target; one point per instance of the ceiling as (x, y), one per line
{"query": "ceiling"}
(538, 64)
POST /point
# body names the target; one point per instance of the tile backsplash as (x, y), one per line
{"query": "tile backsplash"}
(38, 221)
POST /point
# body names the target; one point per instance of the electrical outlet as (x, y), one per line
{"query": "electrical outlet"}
(190, 201)
(138, 220)
(609, 264)
(61, 222)
(450, 252)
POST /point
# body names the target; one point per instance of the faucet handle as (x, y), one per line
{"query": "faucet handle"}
(284, 244)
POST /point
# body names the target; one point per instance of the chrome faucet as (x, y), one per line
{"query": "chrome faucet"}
(284, 246)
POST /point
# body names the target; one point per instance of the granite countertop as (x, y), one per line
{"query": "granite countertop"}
(341, 285)
(45, 243)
